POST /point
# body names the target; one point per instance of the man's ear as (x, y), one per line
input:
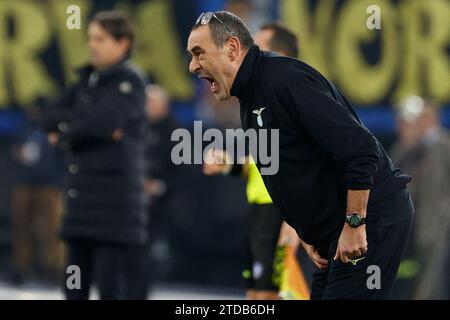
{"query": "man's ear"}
(234, 48)
(125, 43)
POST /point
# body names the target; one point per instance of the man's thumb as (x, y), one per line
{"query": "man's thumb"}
(336, 256)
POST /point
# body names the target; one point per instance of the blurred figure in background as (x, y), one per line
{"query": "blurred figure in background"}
(423, 151)
(160, 175)
(37, 206)
(100, 124)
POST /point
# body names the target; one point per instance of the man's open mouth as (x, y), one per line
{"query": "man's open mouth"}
(212, 83)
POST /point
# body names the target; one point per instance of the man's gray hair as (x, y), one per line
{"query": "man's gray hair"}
(234, 24)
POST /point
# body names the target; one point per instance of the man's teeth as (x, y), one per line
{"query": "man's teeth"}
(212, 83)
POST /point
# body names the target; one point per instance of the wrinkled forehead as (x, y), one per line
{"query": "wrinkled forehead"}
(200, 37)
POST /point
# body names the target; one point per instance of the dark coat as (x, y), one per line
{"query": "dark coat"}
(324, 148)
(104, 180)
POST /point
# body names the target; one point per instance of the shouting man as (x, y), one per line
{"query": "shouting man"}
(335, 184)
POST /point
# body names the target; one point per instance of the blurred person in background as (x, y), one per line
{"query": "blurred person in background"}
(423, 151)
(100, 124)
(37, 206)
(266, 226)
(160, 175)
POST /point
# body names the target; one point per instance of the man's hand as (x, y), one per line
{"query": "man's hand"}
(352, 243)
(216, 162)
(288, 236)
(312, 252)
(53, 138)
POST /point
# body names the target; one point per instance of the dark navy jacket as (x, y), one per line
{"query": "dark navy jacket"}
(325, 150)
(104, 181)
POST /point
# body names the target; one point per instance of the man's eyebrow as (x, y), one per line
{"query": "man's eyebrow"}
(196, 49)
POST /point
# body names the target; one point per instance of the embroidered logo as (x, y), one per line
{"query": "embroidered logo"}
(259, 119)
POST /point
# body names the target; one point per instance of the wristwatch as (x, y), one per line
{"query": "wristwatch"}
(354, 220)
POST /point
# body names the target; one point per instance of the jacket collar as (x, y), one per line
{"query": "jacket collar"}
(246, 71)
(102, 73)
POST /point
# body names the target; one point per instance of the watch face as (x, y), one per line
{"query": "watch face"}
(354, 221)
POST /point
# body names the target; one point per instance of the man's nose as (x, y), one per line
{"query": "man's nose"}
(194, 66)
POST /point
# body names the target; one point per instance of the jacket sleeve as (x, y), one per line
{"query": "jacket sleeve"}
(335, 128)
(111, 112)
